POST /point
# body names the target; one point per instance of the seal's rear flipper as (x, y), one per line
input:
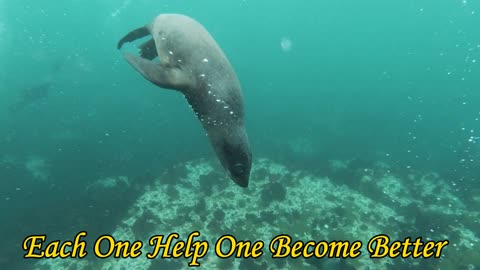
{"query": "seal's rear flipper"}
(159, 74)
(134, 35)
(148, 50)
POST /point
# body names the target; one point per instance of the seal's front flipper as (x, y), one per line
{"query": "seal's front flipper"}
(134, 35)
(162, 75)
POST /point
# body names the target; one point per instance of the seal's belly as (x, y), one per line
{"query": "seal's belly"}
(212, 110)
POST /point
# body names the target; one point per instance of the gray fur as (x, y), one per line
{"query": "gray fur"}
(191, 62)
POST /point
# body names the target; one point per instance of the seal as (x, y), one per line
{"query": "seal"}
(182, 55)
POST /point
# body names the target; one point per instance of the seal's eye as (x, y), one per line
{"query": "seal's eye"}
(238, 169)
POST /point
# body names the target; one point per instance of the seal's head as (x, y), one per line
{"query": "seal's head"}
(236, 157)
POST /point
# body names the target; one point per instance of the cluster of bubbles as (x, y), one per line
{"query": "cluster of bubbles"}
(124, 5)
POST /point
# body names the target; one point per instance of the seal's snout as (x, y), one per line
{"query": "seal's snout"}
(235, 156)
(242, 181)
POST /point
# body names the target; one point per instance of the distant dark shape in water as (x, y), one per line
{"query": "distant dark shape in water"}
(37, 92)
(30, 95)
(190, 61)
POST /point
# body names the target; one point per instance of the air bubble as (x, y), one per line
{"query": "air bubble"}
(286, 44)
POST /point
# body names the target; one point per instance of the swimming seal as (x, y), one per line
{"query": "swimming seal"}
(190, 61)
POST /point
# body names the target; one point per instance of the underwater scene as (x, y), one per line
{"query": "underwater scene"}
(287, 135)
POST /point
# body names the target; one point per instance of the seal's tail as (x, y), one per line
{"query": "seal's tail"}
(134, 35)
(148, 50)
